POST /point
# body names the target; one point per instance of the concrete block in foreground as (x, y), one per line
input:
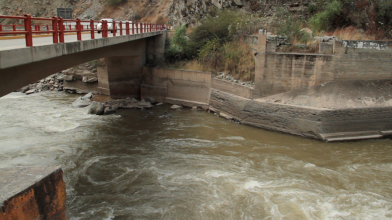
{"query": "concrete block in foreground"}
(32, 193)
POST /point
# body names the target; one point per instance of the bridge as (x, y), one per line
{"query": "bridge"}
(126, 50)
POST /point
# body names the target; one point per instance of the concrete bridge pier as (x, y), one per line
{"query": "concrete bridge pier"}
(121, 76)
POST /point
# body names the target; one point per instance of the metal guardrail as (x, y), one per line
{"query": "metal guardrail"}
(59, 27)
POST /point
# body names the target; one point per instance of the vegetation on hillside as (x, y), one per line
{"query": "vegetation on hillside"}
(372, 16)
(215, 45)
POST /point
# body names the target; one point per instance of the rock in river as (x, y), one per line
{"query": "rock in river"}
(96, 108)
(81, 102)
(175, 107)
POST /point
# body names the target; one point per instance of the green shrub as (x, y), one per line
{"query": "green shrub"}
(329, 17)
(285, 24)
(210, 53)
(374, 16)
(176, 47)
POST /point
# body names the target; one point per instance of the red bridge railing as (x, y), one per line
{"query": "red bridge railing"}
(59, 28)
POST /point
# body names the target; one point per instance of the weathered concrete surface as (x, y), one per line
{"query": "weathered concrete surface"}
(233, 88)
(349, 60)
(32, 193)
(179, 84)
(21, 67)
(186, 103)
(124, 74)
(307, 121)
(339, 95)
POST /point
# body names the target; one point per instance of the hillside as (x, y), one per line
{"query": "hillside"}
(174, 12)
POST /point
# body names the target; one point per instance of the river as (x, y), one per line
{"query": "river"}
(162, 164)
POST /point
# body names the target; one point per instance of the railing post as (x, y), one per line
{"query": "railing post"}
(14, 28)
(114, 28)
(133, 27)
(104, 29)
(137, 28)
(127, 28)
(141, 27)
(78, 29)
(55, 30)
(47, 28)
(29, 34)
(61, 29)
(92, 28)
(121, 29)
(39, 29)
(1, 29)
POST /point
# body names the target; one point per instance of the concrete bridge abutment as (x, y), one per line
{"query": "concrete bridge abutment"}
(121, 76)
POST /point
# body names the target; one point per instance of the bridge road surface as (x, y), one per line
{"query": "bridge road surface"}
(39, 41)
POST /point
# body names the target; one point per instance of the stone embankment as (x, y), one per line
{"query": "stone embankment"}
(52, 83)
(84, 76)
(230, 78)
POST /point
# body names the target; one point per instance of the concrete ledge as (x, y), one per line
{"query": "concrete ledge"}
(186, 103)
(32, 193)
(323, 124)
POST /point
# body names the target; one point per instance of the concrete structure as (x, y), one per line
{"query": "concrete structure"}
(340, 60)
(341, 93)
(32, 193)
(125, 56)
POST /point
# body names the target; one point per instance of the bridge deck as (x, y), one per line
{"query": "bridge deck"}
(39, 41)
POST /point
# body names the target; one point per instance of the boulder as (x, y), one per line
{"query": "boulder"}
(31, 91)
(96, 108)
(81, 103)
(150, 100)
(144, 104)
(109, 111)
(87, 79)
(130, 100)
(88, 96)
(194, 108)
(159, 103)
(115, 107)
(175, 107)
(24, 89)
(68, 78)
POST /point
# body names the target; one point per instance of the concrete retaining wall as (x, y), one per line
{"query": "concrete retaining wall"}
(32, 193)
(281, 72)
(311, 122)
(233, 88)
(178, 84)
(349, 60)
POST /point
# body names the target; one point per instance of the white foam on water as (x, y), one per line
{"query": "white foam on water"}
(217, 173)
(237, 138)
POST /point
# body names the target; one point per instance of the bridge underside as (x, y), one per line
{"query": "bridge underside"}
(124, 58)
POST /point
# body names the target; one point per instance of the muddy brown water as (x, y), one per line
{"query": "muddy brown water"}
(162, 164)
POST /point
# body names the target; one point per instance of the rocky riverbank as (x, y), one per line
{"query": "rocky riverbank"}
(54, 82)
(111, 106)
(230, 78)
